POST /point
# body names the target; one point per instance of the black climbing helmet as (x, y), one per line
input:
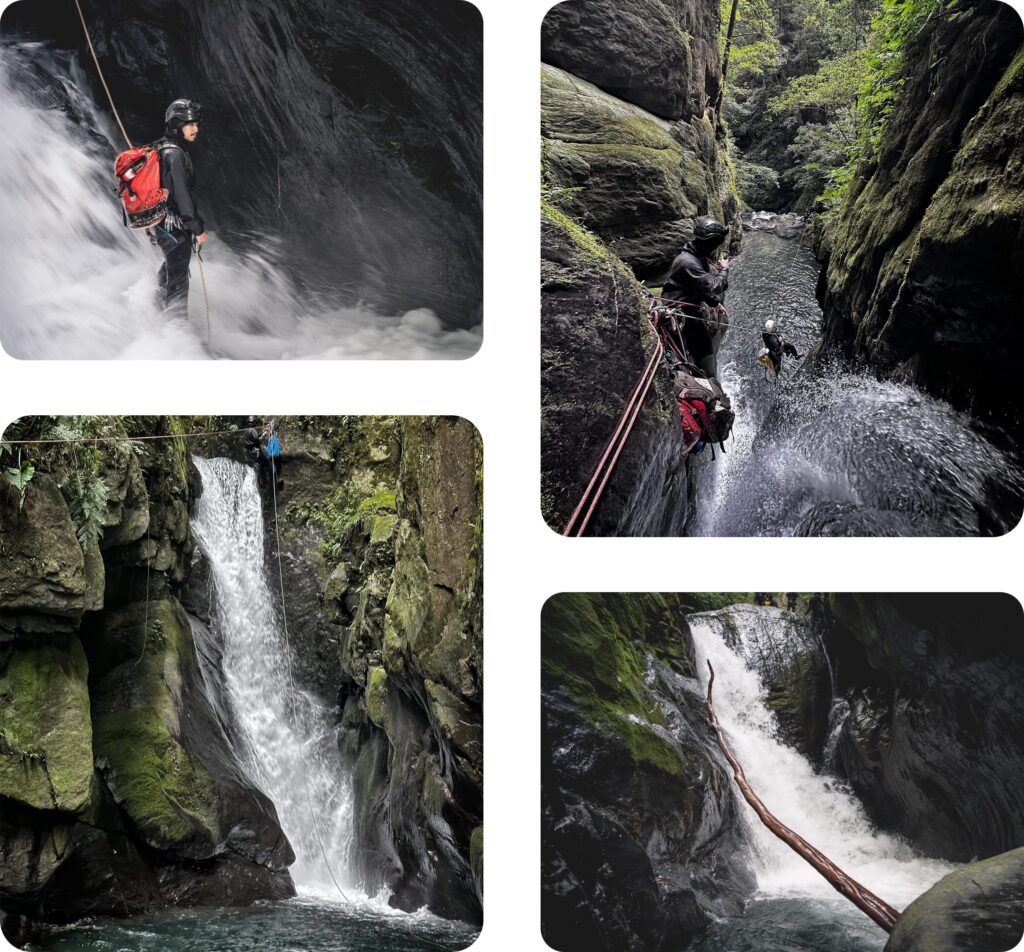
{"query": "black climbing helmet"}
(709, 230)
(181, 112)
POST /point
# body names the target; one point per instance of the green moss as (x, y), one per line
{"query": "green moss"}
(476, 850)
(165, 792)
(434, 793)
(382, 528)
(45, 733)
(597, 648)
(377, 695)
(586, 243)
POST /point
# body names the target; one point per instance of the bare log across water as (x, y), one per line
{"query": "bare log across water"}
(865, 900)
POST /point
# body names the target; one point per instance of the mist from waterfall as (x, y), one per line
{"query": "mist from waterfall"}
(77, 284)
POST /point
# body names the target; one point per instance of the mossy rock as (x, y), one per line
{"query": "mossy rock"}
(978, 908)
(42, 568)
(46, 755)
(164, 791)
(476, 859)
(377, 695)
(596, 649)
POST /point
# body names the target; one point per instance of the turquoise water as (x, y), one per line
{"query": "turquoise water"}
(303, 924)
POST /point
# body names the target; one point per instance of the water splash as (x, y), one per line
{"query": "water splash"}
(839, 453)
(79, 285)
(289, 736)
(819, 807)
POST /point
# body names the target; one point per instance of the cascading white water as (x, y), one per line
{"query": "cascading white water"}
(292, 737)
(818, 807)
(77, 284)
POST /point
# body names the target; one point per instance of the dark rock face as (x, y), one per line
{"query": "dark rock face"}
(119, 791)
(934, 744)
(979, 908)
(354, 132)
(923, 269)
(595, 341)
(789, 656)
(630, 159)
(661, 55)
(639, 841)
(383, 517)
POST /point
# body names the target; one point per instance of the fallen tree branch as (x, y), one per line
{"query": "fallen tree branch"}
(881, 912)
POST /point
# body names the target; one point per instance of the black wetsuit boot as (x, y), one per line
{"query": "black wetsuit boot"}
(177, 248)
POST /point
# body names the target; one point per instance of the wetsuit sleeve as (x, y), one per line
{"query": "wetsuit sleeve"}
(174, 177)
(789, 350)
(711, 287)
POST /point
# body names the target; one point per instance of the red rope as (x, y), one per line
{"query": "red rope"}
(606, 465)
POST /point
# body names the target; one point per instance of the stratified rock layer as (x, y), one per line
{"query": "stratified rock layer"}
(924, 264)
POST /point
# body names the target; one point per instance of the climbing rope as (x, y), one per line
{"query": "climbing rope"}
(291, 683)
(579, 519)
(99, 70)
(206, 297)
(119, 439)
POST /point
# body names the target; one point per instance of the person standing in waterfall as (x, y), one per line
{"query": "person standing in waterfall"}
(183, 228)
(696, 279)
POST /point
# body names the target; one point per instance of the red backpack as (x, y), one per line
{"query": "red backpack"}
(138, 185)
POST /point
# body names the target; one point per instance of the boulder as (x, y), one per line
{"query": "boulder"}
(634, 179)
(979, 908)
(42, 570)
(45, 734)
(661, 55)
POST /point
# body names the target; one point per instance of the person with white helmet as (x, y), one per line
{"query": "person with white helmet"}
(776, 346)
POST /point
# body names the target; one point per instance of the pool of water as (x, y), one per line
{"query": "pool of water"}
(303, 924)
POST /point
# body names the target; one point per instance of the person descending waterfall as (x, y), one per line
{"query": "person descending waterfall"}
(699, 285)
(182, 229)
(775, 345)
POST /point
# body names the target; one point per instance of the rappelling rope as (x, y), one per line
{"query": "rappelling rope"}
(579, 519)
(206, 297)
(99, 70)
(291, 682)
(120, 439)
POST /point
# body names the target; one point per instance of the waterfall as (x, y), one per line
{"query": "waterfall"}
(291, 737)
(818, 807)
(77, 284)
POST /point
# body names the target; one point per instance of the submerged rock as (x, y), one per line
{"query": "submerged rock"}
(979, 908)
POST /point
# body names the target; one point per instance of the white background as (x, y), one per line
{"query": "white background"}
(498, 389)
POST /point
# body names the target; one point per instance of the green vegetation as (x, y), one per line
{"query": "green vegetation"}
(811, 85)
(598, 648)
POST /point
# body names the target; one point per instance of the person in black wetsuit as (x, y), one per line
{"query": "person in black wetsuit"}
(182, 226)
(697, 280)
(777, 345)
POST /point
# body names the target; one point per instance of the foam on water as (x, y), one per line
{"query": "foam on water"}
(77, 284)
(818, 807)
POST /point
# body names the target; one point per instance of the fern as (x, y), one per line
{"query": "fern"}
(86, 496)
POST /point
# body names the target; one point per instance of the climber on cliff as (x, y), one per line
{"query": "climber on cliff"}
(272, 452)
(254, 446)
(182, 231)
(775, 345)
(700, 283)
